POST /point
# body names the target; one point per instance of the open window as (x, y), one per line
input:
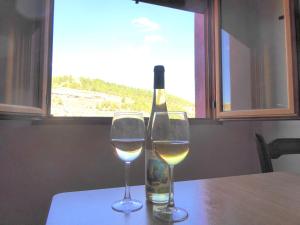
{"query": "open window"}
(25, 56)
(244, 59)
(105, 63)
(255, 59)
(26, 61)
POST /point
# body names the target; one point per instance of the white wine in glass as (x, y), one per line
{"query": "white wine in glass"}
(128, 149)
(170, 139)
(172, 152)
(127, 137)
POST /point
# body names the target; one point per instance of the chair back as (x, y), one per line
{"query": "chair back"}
(275, 149)
(263, 154)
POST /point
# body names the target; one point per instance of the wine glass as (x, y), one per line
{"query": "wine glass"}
(170, 140)
(127, 137)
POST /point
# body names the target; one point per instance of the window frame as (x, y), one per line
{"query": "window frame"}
(203, 90)
(291, 70)
(44, 98)
(196, 6)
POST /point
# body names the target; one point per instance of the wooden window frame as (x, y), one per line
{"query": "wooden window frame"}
(196, 6)
(203, 79)
(44, 90)
(291, 70)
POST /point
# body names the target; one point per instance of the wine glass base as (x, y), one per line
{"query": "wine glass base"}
(127, 206)
(171, 214)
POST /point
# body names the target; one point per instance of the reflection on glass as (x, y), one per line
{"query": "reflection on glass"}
(21, 36)
(253, 55)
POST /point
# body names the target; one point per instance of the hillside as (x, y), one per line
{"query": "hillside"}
(94, 97)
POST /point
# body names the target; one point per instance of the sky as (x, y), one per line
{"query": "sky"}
(226, 86)
(119, 41)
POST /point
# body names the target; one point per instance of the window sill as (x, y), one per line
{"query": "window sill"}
(101, 121)
(50, 120)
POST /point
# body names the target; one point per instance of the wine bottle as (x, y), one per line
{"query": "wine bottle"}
(157, 172)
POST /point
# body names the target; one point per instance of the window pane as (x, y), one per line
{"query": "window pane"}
(20, 51)
(253, 55)
(104, 54)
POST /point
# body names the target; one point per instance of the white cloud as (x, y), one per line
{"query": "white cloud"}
(154, 38)
(145, 25)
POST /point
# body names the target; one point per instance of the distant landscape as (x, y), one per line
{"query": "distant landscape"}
(72, 96)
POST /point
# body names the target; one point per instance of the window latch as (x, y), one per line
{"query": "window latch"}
(213, 104)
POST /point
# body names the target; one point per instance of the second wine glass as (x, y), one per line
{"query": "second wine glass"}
(170, 139)
(127, 137)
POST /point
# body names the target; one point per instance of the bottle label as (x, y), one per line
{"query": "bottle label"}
(157, 175)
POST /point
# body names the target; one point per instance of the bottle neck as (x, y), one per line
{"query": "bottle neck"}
(159, 99)
(158, 104)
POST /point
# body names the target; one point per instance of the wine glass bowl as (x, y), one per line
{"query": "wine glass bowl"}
(170, 140)
(127, 137)
(171, 152)
(128, 150)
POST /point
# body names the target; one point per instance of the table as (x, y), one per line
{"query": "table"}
(258, 199)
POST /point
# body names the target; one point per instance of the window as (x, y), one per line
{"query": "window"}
(25, 50)
(255, 58)
(234, 61)
(104, 54)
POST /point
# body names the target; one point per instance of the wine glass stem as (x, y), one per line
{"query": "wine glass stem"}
(127, 176)
(171, 191)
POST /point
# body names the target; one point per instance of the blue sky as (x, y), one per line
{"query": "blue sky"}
(226, 85)
(120, 41)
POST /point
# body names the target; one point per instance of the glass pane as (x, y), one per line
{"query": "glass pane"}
(20, 51)
(253, 55)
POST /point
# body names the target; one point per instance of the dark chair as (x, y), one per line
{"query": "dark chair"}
(275, 149)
